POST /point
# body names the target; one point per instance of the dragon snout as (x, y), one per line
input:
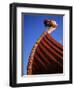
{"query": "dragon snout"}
(50, 23)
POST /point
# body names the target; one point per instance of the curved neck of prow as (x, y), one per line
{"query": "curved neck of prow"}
(51, 29)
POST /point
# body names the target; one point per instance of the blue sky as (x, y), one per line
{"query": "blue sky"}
(33, 27)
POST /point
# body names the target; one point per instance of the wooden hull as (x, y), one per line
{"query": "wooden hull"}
(46, 56)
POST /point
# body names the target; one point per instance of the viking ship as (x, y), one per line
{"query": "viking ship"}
(47, 54)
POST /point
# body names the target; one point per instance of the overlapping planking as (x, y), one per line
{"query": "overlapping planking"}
(46, 56)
